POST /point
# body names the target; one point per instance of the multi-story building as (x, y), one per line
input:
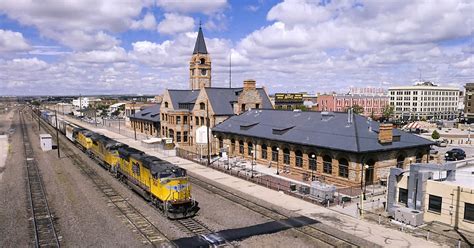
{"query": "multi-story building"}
(469, 102)
(184, 111)
(424, 101)
(372, 104)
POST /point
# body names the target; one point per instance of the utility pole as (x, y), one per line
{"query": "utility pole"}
(134, 123)
(80, 105)
(207, 133)
(57, 132)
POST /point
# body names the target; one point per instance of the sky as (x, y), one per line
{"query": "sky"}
(71, 47)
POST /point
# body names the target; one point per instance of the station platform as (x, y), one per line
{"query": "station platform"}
(345, 218)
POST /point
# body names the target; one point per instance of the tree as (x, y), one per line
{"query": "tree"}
(357, 109)
(435, 135)
(387, 111)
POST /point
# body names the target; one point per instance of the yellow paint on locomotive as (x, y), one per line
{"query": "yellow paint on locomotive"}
(84, 141)
(175, 190)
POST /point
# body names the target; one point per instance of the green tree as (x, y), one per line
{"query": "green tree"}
(387, 111)
(435, 135)
(357, 109)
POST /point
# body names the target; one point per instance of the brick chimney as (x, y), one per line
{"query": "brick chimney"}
(385, 133)
(249, 84)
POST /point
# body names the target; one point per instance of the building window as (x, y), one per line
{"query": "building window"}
(221, 143)
(435, 203)
(468, 211)
(275, 154)
(327, 164)
(286, 156)
(202, 121)
(400, 161)
(257, 106)
(264, 151)
(343, 168)
(298, 158)
(185, 136)
(185, 120)
(243, 108)
(241, 147)
(197, 121)
(402, 196)
(171, 134)
(166, 104)
(312, 161)
(178, 119)
(178, 136)
(202, 106)
(249, 148)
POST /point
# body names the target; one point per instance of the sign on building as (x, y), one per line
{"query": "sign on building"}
(201, 133)
(288, 98)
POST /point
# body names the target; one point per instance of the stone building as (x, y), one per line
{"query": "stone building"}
(372, 104)
(147, 121)
(183, 111)
(333, 147)
(469, 102)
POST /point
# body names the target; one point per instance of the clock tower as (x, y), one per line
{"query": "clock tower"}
(200, 65)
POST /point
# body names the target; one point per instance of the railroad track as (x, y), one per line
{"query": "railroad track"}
(193, 226)
(318, 232)
(42, 219)
(149, 233)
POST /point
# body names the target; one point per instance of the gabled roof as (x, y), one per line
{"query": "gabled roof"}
(200, 46)
(221, 99)
(151, 113)
(318, 129)
(183, 96)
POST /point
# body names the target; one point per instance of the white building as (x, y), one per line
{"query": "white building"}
(424, 101)
(84, 101)
(115, 107)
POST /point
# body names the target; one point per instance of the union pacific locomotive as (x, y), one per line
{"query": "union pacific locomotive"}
(162, 183)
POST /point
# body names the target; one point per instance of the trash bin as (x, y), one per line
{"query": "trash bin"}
(292, 187)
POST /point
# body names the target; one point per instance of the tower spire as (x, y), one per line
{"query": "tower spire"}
(200, 46)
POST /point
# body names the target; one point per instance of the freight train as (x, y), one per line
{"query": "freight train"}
(160, 182)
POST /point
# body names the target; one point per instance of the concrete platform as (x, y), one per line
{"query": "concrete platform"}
(370, 231)
(3, 153)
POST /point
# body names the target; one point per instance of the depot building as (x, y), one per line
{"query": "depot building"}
(331, 147)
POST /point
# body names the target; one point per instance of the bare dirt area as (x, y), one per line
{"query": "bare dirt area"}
(14, 224)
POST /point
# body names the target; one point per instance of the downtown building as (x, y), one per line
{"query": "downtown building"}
(424, 101)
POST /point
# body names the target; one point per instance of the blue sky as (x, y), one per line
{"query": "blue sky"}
(143, 46)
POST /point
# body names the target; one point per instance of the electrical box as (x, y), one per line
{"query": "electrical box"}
(409, 216)
(46, 142)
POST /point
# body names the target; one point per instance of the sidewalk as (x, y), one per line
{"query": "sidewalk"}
(345, 222)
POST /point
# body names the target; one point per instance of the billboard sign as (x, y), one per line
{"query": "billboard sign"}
(201, 137)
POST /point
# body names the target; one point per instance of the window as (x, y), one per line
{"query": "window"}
(178, 136)
(197, 121)
(185, 136)
(242, 108)
(286, 156)
(249, 148)
(343, 168)
(403, 196)
(435, 203)
(166, 104)
(264, 151)
(327, 164)
(202, 61)
(312, 161)
(202, 121)
(221, 143)
(468, 211)
(178, 119)
(241, 147)
(202, 106)
(298, 158)
(274, 154)
(185, 120)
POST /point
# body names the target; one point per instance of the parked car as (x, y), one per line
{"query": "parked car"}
(455, 154)
(442, 143)
(433, 151)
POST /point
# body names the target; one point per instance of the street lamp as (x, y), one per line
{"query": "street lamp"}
(364, 170)
(278, 161)
(253, 156)
(228, 157)
(312, 167)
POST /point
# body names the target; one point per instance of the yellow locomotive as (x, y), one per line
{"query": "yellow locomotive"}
(164, 184)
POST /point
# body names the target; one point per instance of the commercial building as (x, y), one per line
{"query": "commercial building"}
(333, 147)
(147, 121)
(433, 192)
(184, 111)
(372, 104)
(424, 101)
(469, 102)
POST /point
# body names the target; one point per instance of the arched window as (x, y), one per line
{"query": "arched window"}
(369, 172)
(298, 158)
(166, 104)
(202, 106)
(400, 161)
(274, 153)
(202, 60)
(249, 148)
(264, 151)
(241, 147)
(312, 161)
(286, 156)
(232, 145)
(343, 168)
(171, 132)
(327, 164)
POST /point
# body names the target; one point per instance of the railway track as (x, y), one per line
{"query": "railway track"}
(149, 233)
(318, 232)
(42, 219)
(193, 226)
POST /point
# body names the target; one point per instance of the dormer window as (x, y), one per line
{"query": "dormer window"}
(166, 104)
(202, 106)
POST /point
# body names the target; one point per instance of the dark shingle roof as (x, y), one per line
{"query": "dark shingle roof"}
(183, 96)
(200, 46)
(151, 113)
(221, 99)
(319, 129)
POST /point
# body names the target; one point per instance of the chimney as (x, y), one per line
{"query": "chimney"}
(249, 84)
(385, 133)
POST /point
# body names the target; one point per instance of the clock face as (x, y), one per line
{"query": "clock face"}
(203, 72)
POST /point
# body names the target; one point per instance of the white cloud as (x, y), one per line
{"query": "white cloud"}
(175, 23)
(116, 54)
(80, 40)
(193, 6)
(148, 22)
(12, 41)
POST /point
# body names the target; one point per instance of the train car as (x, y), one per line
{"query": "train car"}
(106, 151)
(161, 182)
(83, 138)
(69, 131)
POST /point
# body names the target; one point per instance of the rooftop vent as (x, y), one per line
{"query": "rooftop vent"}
(281, 131)
(247, 126)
